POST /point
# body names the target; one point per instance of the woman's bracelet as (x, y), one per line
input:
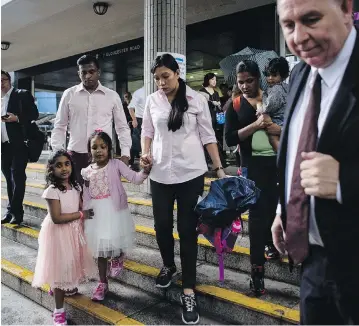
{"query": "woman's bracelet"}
(81, 215)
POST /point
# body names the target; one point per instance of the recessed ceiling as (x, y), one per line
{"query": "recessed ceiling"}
(41, 31)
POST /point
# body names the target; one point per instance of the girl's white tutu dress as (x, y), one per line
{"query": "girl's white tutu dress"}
(111, 231)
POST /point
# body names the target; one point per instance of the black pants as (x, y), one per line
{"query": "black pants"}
(163, 197)
(14, 158)
(81, 161)
(135, 150)
(263, 171)
(322, 300)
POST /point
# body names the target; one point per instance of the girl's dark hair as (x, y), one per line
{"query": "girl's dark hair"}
(207, 78)
(50, 175)
(106, 139)
(180, 103)
(278, 65)
(250, 67)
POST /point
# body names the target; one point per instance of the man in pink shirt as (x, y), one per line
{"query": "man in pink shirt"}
(85, 108)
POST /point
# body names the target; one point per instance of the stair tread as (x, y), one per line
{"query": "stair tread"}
(277, 292)
(134, 303)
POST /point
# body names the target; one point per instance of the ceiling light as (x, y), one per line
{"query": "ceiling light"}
(5, 45)
(100, 8)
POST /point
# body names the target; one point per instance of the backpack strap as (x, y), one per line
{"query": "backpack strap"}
(237, 104)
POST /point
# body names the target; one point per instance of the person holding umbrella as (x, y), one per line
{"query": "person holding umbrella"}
(250, 131)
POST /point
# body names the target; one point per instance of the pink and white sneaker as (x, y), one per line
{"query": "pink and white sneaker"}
(116, 266)
(59, 318)
(100, 292)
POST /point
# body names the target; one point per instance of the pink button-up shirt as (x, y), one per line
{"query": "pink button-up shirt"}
(82, 113)
(177, 156)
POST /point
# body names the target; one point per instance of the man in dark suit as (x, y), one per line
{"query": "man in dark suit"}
(17, 111)
(317, 220)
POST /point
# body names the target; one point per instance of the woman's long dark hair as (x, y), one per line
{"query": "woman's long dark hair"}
(180, 103)
(50, 175)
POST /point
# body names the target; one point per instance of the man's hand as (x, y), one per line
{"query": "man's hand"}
(125, 159)
(320, 175)
(278, 234)
(11, 118)
(221, 174)
(134, 123)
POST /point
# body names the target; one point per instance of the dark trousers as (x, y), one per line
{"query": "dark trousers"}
(163, 197)
(263, 171)
(14, 158)
(322, 300)
(135, 150)
(81, 161)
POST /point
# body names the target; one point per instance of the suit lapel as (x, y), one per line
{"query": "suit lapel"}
(344, 101)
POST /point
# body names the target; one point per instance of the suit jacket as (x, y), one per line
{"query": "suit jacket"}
(21, 103)
(338, 223)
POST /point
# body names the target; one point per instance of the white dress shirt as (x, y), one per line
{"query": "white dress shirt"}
(4, 104)
(82, 113)
(178, 156)
(138, 102)
(332, 77)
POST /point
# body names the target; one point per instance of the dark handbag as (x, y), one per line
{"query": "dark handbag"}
(34, 139)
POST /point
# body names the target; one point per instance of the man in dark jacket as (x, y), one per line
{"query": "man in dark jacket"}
(17, 111)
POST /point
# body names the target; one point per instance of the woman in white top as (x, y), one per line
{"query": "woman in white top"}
(177, 123)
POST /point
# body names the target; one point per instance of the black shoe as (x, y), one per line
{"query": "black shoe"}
(164, 278)
(257, 280)
(190, 315)
(270, 252)
(7, 218)
(16, 220)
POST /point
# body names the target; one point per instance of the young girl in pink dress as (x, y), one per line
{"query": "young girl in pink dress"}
(110, 234)
(63, 259)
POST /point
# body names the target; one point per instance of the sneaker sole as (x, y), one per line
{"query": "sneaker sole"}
(167, 285)
(189, 322)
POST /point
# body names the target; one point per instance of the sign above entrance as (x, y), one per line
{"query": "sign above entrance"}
(181, 60)
(122, 50)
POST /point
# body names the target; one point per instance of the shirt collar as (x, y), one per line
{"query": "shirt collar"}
(9, 91)
(100, 87)
(330, 74)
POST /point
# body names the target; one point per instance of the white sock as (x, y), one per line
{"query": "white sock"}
(59, 311)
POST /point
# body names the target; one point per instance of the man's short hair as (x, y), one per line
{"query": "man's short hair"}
(87, 59)
(3, 72)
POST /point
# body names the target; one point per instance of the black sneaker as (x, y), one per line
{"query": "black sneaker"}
(257, 280)
(270, 252)
(190, 315)
(164, 278)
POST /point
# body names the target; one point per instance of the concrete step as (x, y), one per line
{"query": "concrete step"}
(125, 304)
(238, 259)
(31, 312)
(232, 302)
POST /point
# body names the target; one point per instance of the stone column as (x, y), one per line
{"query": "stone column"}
(164, 31)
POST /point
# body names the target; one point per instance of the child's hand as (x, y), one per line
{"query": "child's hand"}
(88, 214)
(147, 169)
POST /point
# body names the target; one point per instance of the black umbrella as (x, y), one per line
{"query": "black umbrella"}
(261, 57)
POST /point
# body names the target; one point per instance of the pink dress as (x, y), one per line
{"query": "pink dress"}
(63, 259)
